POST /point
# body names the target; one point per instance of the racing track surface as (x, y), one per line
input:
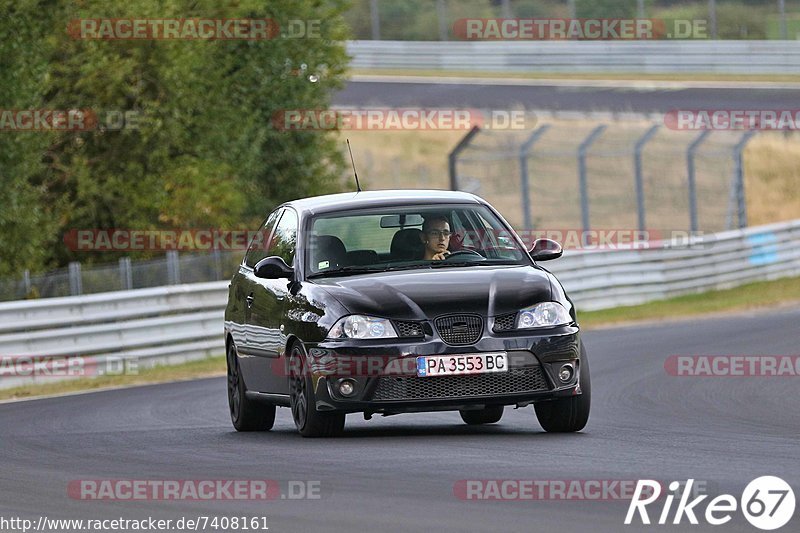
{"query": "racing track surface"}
(563, 97)
(397, 473)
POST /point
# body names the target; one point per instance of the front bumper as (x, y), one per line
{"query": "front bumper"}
(384, 375)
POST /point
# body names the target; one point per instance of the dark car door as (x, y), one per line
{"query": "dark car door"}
(242, 297)
(265, 337)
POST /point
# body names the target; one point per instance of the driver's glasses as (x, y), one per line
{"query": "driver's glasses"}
(439, 233)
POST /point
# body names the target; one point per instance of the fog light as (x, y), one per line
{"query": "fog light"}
(347, 387)
(566, 373)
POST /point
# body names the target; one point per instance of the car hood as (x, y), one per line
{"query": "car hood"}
(420, 294)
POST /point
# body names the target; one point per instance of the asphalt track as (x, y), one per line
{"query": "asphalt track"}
(570, 96)
(398, 473)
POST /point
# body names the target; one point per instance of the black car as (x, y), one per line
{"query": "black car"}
(391, 302)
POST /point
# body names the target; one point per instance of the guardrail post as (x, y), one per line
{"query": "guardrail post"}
(637, 167)
(582, 179)
(75, 281)
(737, 186)
(125, 274)
(453, 157)
(690, 151)
(173, 268)
(524, 151)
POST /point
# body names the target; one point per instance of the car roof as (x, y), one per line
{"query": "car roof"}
(354, 200)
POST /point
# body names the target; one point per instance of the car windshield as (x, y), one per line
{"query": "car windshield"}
(409, 237)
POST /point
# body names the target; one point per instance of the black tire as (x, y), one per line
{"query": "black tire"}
(246, 414)
(309, 421)
(567, 415)
(487, 415)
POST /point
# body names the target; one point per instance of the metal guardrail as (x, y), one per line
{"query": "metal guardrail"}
(179, 323)
(722, 57)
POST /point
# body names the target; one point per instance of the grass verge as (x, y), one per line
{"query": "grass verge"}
(751, 296)
(203, 368)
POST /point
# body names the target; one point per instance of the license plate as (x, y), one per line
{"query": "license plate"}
(458, 365)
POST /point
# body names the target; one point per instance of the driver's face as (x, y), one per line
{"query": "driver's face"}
(437, 236)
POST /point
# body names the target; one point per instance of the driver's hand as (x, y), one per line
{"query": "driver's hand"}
(441, 256)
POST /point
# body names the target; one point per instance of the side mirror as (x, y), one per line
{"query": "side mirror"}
(273, 267)
(545, 250)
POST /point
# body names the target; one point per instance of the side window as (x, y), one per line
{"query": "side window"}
(284, 241)
(258, 246)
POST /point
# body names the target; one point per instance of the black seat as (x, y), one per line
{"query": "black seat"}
(407, 245)
(327, 248)
(362, 257)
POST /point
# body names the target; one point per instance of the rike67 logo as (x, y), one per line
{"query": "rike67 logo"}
(767, 503)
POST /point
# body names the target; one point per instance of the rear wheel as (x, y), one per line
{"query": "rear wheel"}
(487, 415)
(309, 421)
(566, 415)
(246, 414)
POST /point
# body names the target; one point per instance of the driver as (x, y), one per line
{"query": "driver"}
(436, 237)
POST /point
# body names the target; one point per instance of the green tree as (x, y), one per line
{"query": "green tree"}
(203, 152)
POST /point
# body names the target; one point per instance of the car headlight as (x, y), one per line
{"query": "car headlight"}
(543, 315)
(362, 327)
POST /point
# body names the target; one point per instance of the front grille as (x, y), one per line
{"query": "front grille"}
(505, 322)
(516, 380)
(459, 330)
(408, 329)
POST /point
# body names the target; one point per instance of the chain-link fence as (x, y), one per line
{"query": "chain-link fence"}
(172, 269)
(590, 176)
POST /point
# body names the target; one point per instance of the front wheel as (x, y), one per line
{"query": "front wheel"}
(487, 415)
(246, 414)
(309, 421)
(566, 415)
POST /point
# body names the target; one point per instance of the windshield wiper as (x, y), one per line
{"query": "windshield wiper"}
(344, 271)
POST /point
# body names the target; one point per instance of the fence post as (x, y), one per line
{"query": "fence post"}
(453, 157)
(523, 174)
(125, 274)
(690, 151)
(738, 182)
(375, 16)
(441, 15)
(637, 167)
(582, 179)
(712, 18)
(217, 263)
(75, 281)
(782, 12)
(173, 268)
(26, 282)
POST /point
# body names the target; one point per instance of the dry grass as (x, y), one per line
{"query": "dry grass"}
(418, 159)
(772, 168)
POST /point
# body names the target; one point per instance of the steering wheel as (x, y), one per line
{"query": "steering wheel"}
(464, 252)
